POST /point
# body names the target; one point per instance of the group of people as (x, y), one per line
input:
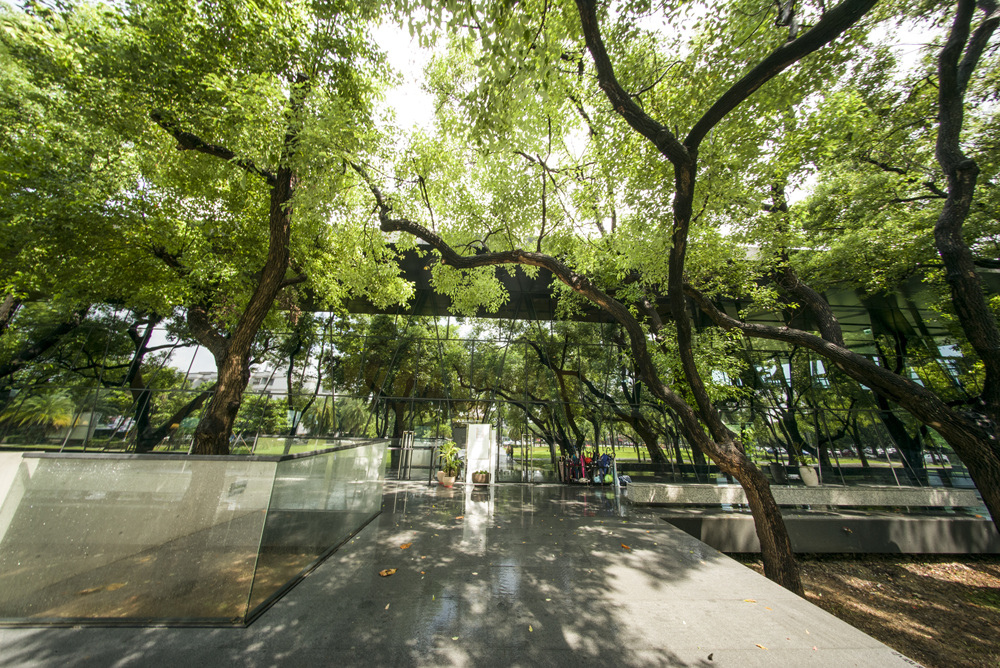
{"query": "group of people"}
(584, 467)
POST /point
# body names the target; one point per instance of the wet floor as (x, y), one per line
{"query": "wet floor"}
(513, 575)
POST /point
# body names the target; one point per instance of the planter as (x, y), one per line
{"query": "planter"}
(778, 473)
(447, 480)
(440, 474)
(810, 477)
(480, 478)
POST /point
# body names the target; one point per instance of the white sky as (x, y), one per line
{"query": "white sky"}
(413, 106)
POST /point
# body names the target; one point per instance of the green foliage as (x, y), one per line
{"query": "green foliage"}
(45, 411)
(448, 453)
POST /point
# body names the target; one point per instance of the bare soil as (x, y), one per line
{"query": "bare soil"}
(942, 611)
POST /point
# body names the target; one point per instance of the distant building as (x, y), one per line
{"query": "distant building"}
(265, 380)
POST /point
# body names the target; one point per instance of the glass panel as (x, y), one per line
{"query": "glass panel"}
(131, 538)
(317, 503)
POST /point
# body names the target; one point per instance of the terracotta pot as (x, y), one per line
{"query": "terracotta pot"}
(480, 478)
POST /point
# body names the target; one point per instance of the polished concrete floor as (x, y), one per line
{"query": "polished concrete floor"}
(513, 575)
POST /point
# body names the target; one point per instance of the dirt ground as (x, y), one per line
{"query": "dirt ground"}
(942, 611)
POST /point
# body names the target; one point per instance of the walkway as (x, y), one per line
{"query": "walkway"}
(517, 576)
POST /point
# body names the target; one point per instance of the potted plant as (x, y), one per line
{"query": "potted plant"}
(481, 478)
(808, 472)
(449, 463)
(778, 473)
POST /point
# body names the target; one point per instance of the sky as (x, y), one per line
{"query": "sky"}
(413, 105)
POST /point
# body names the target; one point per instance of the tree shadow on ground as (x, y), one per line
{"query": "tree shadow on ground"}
(519, 575)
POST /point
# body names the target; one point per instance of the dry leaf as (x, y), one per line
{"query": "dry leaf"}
(386, 606)
(767, 608)
(761, 646)
(387, 572)
(749, 600)
(405, 546)
(116, 585)
(460, 517)
(625, 547)
(92, 590)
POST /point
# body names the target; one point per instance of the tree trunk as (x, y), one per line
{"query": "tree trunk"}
(770, 526)
(858, 445)
(148, 439)
(648, 436)
(8, 308)
(908, 446)
(211, 436)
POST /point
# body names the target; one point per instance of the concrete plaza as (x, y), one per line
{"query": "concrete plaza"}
(512, 575)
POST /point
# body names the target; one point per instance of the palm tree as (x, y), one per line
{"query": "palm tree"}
(41, 413)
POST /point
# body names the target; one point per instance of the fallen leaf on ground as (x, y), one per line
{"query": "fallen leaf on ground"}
(460, 517)
(405, 546)
(454, 637)
(386, 606)
(530, 630)
(761, 646)
(625, 547)
(749, 600)
(387, 572)
(116, 585)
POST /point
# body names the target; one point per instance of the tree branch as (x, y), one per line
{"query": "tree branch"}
(189, 142)
(834, 23)
(624, 104)
(205, 332)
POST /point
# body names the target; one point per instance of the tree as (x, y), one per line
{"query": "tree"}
(682, 155)
(271, 124)
(41, 412)
(972, 433)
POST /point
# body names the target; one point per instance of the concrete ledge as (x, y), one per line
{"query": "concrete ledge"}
(879, 534)
(826, 495)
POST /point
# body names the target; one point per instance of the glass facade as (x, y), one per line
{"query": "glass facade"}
(201, 540)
